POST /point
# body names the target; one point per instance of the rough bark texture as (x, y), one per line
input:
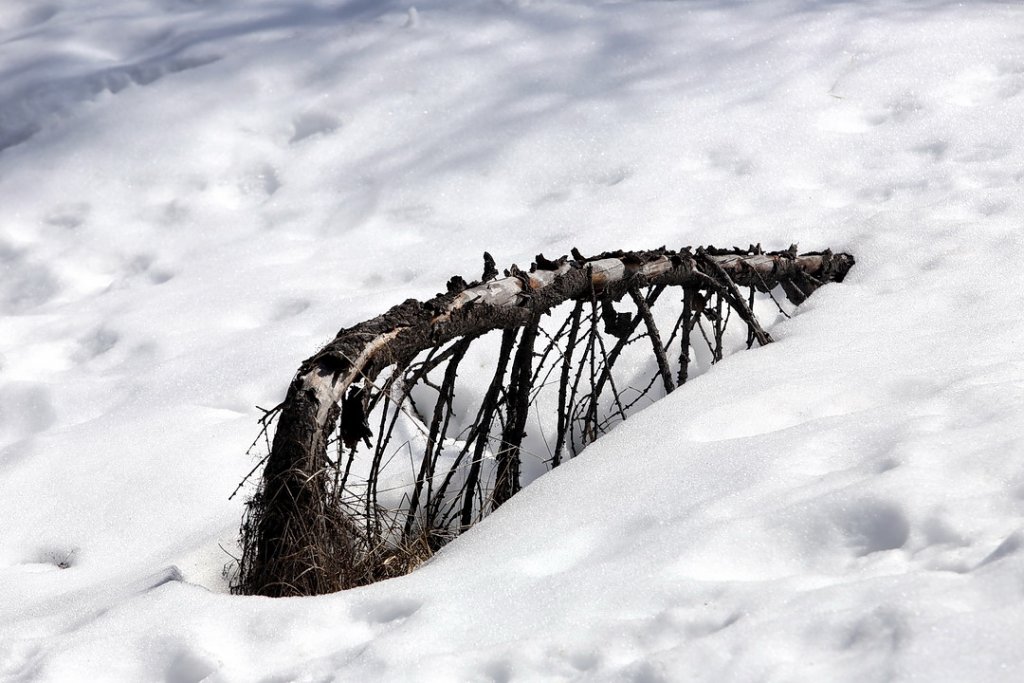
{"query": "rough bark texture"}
(295, 542)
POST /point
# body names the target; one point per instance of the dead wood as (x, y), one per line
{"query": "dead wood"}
(313, 526)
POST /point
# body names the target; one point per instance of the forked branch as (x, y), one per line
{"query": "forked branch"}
(317, 525)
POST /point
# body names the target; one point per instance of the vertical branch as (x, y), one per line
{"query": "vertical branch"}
(438, 498)
(572, 405)
(383, 439)
(506, 483)
(483, 429)
(342, 481)
(719, 328)
(750, 327)
(606, 374)
(590, 423)
(435, 437)
(563, 384)
(553, 345)
(684, 352)
(611, 357)
(652, 331)
(477, 435)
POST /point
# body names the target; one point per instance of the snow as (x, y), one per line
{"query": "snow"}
(197, 194)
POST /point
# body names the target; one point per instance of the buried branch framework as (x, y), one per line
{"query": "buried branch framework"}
(328, 517)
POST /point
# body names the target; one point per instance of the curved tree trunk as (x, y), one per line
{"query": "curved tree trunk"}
(293, 541)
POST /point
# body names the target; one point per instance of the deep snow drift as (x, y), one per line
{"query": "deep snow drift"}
(195, 195)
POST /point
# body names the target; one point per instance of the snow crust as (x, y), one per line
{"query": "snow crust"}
(194, 195)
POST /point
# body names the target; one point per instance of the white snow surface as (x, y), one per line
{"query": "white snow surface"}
(196, 194)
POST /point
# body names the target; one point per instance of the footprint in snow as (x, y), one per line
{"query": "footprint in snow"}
(498, 671)
(289, 308)
(612, 177)
(311, 123)
(144, 264)
(1011, 80)
(985, 151)
(68, 216)
(21, 116)
(871, 526)
(96, 343)
(26, 284)
(730, 161)
(388, 611)
(26, 408)
(187, 666)
(993, 207)
(262, 180)
(884, 629)
(934, 150)
(985, 84)
(849, 119)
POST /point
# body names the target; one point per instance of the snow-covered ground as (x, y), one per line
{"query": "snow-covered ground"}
(194, 195)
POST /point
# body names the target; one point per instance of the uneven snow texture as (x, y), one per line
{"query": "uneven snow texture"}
(194, 195)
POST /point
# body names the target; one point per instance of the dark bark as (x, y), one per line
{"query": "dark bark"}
(294, 536)
(507, 478)
(563, 384)
(442, 412)
(483, 427)
(655, 336)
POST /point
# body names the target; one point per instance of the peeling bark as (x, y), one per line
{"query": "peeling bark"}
(286, 551)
